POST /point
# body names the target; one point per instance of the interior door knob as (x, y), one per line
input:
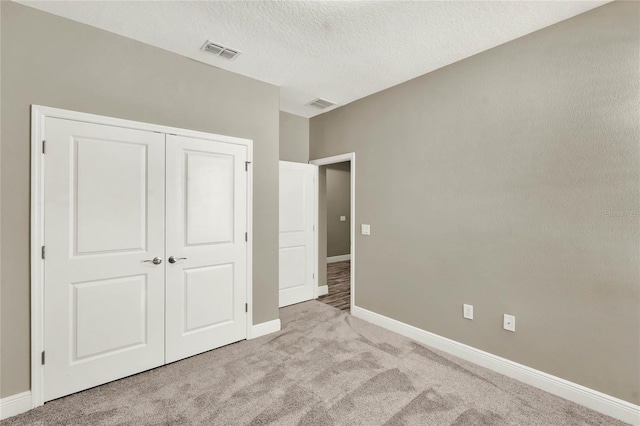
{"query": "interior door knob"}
(174, 259)
(156, 260)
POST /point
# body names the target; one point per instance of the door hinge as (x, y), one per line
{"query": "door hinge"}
(313, 276)
(246, 307)
(246, 236)
(42, 252)
(42, 357)
(44, 147)
(246, 165)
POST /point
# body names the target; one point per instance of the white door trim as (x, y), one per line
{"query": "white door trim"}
(316, 203)
(351, 157)
(38, 117)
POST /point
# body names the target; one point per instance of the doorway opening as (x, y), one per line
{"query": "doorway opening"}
(335, 224)
(339, 286)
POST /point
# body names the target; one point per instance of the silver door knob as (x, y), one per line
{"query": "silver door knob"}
(156, 260)
(174, 259)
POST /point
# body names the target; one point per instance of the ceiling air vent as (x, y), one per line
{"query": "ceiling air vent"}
(321, 103)
(220, 50)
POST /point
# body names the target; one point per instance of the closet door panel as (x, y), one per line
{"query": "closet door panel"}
(104, 304)
(206, 223)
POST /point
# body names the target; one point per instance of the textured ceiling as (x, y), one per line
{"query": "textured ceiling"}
(340, 51)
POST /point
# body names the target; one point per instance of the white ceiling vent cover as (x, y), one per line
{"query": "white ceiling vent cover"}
(220, 50)
(321, 103)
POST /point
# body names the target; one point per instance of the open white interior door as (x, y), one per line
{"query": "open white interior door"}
(297, 203)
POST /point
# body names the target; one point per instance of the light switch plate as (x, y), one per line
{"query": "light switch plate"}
(366, 229)
(343, 218)
(467, 311)
(509, 323)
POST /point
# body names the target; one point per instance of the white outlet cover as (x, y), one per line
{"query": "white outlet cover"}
(343, 218)
(509, 323)
(366, 229)
(467, 311)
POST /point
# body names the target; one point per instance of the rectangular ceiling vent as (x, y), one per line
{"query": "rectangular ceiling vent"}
(321, 103)
(220, 50)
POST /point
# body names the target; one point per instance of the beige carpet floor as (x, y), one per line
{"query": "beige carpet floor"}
(324, 368)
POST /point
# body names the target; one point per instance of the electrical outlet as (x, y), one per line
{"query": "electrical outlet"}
(467, 311)
(366, 229)
(509, 323)
(343, 218)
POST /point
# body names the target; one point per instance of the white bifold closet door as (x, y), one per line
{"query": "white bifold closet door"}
(206, 225)
(114, 303)
(297, 203)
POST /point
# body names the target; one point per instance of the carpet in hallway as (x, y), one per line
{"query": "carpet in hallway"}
(325, 367)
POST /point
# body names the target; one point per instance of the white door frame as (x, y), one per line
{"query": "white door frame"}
(39, 114)
(351, 157)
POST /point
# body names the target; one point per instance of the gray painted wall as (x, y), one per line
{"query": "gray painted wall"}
(338, 203)
(322, 226)
(294, 138)
(510, 181)
(56, 62)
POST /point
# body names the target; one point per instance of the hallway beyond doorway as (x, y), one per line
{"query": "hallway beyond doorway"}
(338, 281)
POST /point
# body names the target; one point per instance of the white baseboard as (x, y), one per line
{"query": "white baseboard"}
(15, 404)
(341, 258)
(259, 330)
(590, 398)
(322, 290)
